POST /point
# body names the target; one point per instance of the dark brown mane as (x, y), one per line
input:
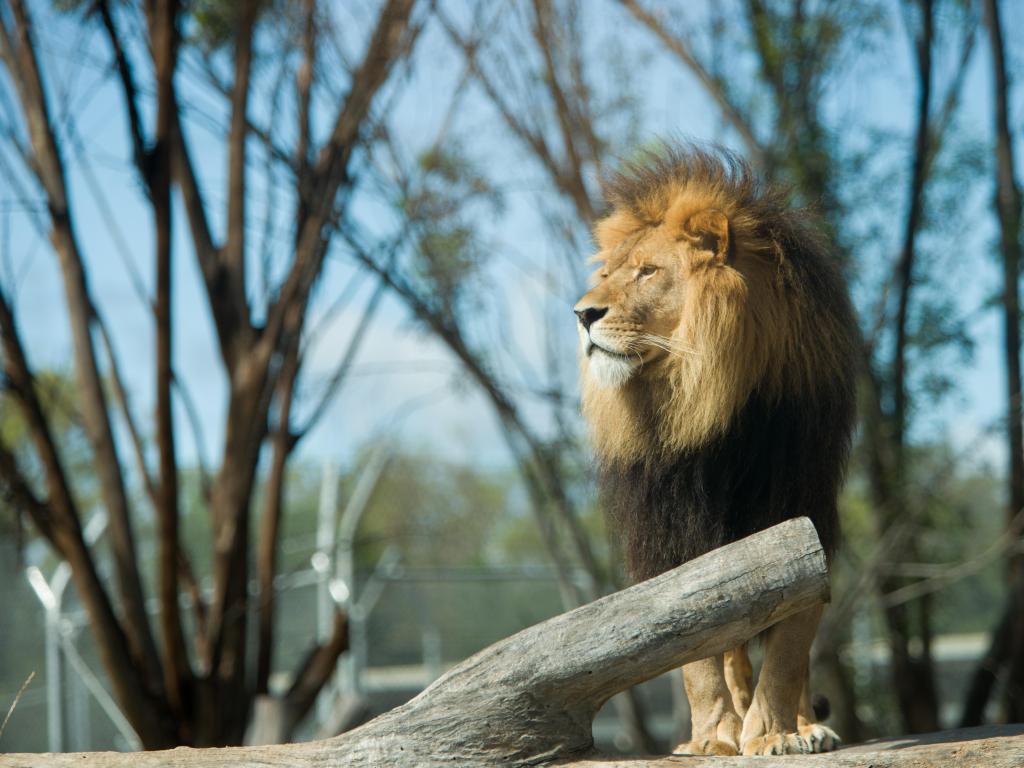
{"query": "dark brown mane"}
(778, 461)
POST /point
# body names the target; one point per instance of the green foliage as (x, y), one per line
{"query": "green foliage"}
(445, 203)
(58, 397)
(437, 512)
(956, 514)
(213, 22)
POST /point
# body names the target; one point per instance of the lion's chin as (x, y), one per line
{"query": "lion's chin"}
(609, 371)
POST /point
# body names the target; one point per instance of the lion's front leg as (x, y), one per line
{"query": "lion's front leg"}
(715, 724)
(780, 721)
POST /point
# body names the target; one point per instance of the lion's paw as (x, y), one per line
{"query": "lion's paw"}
(820, 737)
(778, 744)
(706, 747)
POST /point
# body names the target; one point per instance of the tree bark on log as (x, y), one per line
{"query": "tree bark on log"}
(994, 746)
(532, 697)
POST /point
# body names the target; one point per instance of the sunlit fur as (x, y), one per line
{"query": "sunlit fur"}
(762, 373)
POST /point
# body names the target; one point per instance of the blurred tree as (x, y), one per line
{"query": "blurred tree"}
(195, 690)
(1006, 651)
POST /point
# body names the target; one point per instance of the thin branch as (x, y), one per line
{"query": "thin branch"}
(915, 207)
(233, 253)
(204, 68)
(950, 573)
(715, 87)
(534, 140)
(192, 589)
(304, 94)
(271, 189)
(535, 462)
(941, 121)
(391, 39)
(574, 168)
(224, 319)
(196, 424)
(315, 670)
(344, 364)
(128, 88)
(21, 382)
(270, 521)
(17, 493)
(14, 704)
(121, 397)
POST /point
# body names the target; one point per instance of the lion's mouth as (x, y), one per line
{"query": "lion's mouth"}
(591, 347)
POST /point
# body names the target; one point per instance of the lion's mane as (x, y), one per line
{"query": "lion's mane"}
(754, 428)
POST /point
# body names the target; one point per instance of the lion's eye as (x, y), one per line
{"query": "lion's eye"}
(646, 270)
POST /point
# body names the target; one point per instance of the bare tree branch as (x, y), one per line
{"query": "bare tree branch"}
(534, 140)
(543, 34)
(279, 153)
(196, 424)
(121, 397)
(304, 90)
(315, 670)
(344, 364)
(912, 223)
(128, 87)
(539, 465)
(233, 254)
(388, 42)
(714, 86)
(16, 491)
(282, 444)
(50, 173)
(225, 320)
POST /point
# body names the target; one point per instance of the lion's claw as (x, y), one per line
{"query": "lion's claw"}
(778, 744)
(820, 737)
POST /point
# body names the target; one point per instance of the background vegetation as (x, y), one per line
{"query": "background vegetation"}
(238, 239)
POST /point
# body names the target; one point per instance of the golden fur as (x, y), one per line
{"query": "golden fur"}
(745, 325)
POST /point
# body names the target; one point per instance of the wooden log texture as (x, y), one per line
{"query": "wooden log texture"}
(530, 699)
(994, 746)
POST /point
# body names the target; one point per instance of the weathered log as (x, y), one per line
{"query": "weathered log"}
(993, 746)
(531, 698)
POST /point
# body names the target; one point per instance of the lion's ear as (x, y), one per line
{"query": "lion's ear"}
(708, 230)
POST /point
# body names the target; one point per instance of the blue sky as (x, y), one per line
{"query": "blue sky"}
(399, 364)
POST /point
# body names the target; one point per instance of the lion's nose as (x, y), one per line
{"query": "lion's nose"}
(590, 315)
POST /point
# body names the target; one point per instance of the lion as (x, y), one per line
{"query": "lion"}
(718, 361)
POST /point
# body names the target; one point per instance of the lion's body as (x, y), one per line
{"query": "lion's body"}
(718, 374)
(767, 467)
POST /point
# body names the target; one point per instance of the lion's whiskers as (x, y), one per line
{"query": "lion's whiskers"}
(668, 345)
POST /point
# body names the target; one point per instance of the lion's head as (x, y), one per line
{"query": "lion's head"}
(709, 288)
